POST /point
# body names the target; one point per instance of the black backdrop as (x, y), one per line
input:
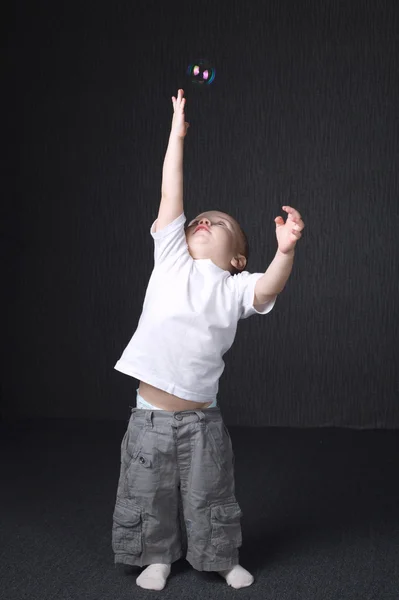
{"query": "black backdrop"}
(303, 111)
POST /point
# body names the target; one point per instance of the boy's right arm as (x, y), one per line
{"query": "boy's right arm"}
(171, 205)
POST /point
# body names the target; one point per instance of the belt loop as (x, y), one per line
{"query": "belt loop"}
(200, 414)
(148, 418)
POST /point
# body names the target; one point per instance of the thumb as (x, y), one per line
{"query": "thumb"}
(279, 221)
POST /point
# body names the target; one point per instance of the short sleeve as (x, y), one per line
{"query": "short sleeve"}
(245, 287)
(170, 242)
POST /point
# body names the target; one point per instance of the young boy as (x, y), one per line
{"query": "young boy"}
(177, 449)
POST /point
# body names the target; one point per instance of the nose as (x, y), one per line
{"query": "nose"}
(205, 221)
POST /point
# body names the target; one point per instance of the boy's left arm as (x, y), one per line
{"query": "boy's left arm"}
(276, 276)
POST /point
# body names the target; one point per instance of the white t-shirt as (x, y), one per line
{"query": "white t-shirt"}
(189, 319)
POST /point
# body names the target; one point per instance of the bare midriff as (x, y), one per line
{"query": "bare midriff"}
(166, 401)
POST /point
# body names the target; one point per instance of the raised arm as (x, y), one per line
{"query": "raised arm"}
(276, 276)
(172, 174)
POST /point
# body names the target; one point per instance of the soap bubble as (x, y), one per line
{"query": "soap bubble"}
(201, 72)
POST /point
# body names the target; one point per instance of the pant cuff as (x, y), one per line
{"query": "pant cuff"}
(216, 565)
(144, 561)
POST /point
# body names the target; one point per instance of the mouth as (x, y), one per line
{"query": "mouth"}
(201, 227)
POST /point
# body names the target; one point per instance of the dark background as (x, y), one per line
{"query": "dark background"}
(303, 111)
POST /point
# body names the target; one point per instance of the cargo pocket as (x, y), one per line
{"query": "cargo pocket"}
(127, 528)
(226, 527)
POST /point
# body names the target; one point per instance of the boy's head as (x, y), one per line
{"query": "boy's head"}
(216, 235)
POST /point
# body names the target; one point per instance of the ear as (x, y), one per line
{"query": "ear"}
(239, 262)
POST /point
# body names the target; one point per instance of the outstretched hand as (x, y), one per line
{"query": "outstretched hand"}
(179, 125)
(290, 231)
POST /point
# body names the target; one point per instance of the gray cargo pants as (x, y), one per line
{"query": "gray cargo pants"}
(173, 463)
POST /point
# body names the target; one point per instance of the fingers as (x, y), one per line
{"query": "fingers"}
(294, 222)
(180, 101)
(180, 94)
(293, 214)
(296, 230)
(298, 224)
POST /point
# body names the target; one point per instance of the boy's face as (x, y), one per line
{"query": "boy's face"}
(217, 236)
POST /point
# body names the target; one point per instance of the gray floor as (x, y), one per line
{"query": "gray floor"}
(321, 515)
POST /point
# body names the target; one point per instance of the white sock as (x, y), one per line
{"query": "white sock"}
(154, 577)
(237, 577)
